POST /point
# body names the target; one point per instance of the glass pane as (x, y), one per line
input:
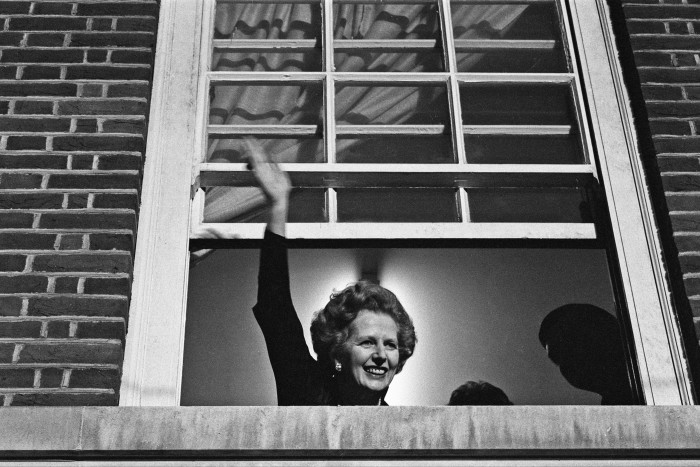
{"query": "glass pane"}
(295, 28)
(395, 149)
(248, 205)
(377, 23)
(523, 149)
(273, 104)
(391, 105)
(479, 28)
(528, 205)
(478, 314)
(397, 205)
(516, 104)
(232, 149)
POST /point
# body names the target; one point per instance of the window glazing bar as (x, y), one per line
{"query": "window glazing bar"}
(528, 130)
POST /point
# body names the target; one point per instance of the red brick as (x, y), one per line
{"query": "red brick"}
(120, 262)
(689, 263)
(31, 200)
(670, 127)
(26, 241)
(78, 201)
(8, 72)
(52, 8)
(132, 56)
(95, 378)
(14, 8)
(662, 11)
(99, 181)
(46, 40)
(136, 127)
(96, 56)
(137, 24)
(22, 284)
(12, 263)
(16, 378)
(108, 286)
(681, 182)
(71, 242)
(112, 39)
(86, 126)
(32, 161)
(35, 23)
(10, 38)
(64, 398)
(102, 107)
(108, 241)
(673, 109)
(26, 142)
(27, 55)
(26, 88)
(10, 306)
(34, 107)
(88, 220)
(101, 330)
(98, 143)
(51, 377)
(20, 329)
(116, 200)
(16, 220)
(135, 8)
(66, 285)
(6, 351)
(693, 92)
(58, 329)
(646, 27)
(692, 285)
(120, 162)
(71, 352)
(18, 180)
(41, 72)
(129, 90)
(108, 72)
(687, 243)
(679, 144)
(77, 305)
(653, 59)
(683, 202)
(102, 24)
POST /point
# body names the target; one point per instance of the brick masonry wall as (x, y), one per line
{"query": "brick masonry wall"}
(74, 86)
(664, 44)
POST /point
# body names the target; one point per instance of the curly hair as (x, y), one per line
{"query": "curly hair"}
(330, 326)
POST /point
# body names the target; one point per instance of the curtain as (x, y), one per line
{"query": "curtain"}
(301, 104)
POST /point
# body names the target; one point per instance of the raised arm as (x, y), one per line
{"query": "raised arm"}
(274, 182)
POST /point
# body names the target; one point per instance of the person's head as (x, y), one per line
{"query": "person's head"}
(584, 342)
(478, 393)
(365, 333)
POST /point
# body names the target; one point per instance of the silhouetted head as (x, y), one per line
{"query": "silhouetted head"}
(584, 342)
(478, 393)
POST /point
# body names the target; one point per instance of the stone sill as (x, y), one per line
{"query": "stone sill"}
(533, 432)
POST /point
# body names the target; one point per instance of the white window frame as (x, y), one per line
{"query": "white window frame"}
(152, 369)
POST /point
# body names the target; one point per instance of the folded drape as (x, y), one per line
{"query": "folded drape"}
(301, 104)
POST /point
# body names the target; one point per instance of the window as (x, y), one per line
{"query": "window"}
(469, 109)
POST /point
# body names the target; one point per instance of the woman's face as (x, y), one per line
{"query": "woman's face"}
(371, 353)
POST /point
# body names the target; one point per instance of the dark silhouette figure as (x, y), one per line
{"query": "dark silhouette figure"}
(584, 342)
(478, 393)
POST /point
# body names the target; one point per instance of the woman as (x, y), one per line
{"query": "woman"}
(362, 337)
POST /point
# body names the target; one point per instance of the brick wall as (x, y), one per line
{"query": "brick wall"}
(74, 83)
(659, 41)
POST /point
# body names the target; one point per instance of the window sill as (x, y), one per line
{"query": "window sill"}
(526, 432)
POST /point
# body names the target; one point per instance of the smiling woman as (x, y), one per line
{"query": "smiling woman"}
(362, 337)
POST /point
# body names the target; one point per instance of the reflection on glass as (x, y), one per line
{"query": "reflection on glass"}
(233, 149)
(391, 105)
(478, 28)
(305, 205)
(528, 205)
(397, 205)
(523, 149)
(273, 104)
(370, 27)
(388, 149)
(516, 104)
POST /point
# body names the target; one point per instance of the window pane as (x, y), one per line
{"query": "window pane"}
(397, 205)
(264, 59)
(516, 104)
(274, 104)
(395, 149)
(528, 205)
(510, 38)
(391, 105)
(272, 21)
(374, 37)
(523, 149)
(232, 149)
(248, 205)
